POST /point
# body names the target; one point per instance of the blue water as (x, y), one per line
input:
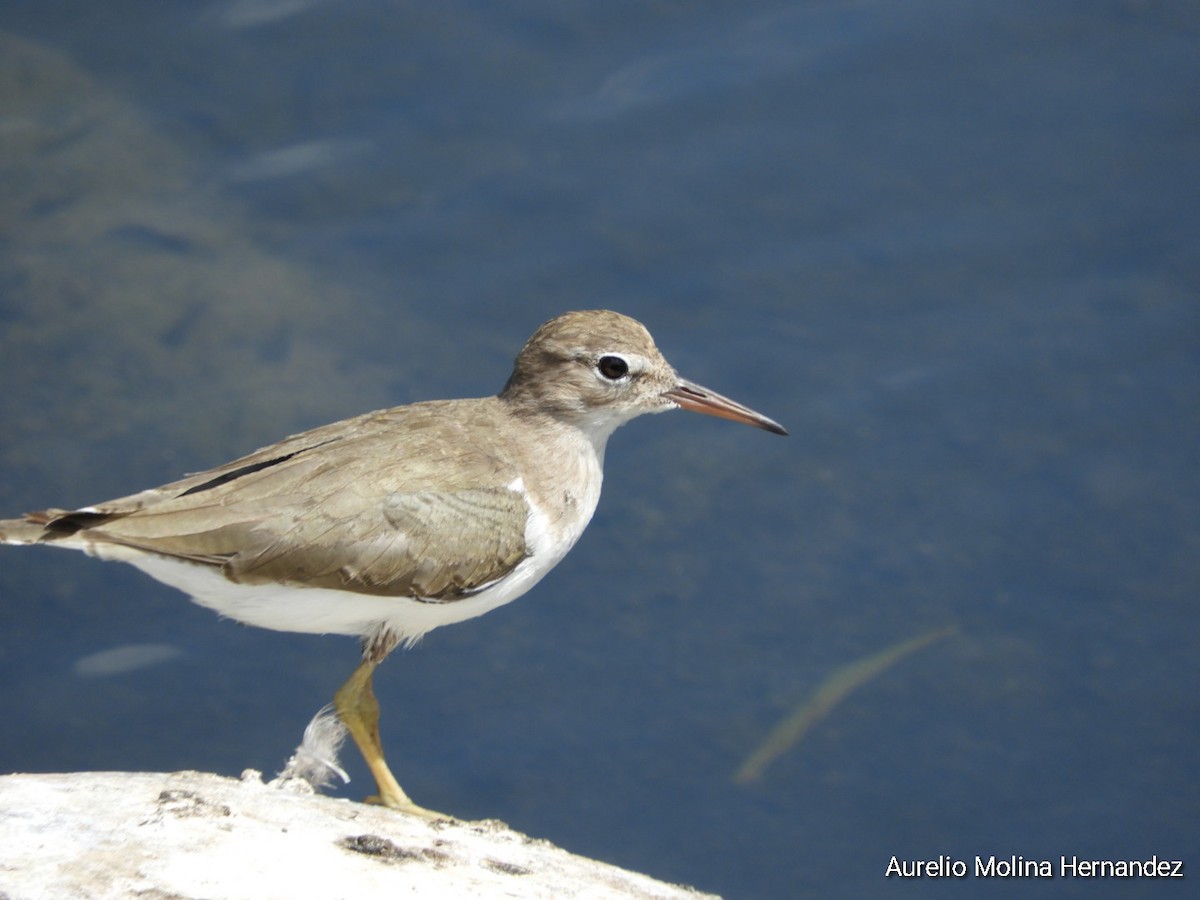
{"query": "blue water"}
(954, 247)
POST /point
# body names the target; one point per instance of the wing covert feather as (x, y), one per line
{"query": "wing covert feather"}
(402, 502)
(428, 544)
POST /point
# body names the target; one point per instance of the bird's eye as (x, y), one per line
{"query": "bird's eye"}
(613, 367)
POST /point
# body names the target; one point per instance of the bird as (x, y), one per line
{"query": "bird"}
(389, 524)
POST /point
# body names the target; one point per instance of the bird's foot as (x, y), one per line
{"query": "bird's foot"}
(405, 805)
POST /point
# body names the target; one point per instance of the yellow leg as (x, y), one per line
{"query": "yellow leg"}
(359, 711)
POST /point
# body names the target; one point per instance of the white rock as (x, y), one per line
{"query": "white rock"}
(192, 834)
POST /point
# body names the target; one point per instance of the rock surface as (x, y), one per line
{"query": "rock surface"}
(192, 834)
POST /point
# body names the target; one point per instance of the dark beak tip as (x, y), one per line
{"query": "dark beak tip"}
(690, 396)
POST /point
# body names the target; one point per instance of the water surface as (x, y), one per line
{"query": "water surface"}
(953, 247)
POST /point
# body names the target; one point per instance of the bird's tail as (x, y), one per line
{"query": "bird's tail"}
(27, 530)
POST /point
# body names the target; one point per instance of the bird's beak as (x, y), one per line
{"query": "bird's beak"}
(691, 396)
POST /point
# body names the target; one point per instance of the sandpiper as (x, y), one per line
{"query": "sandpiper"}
(392, 523)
